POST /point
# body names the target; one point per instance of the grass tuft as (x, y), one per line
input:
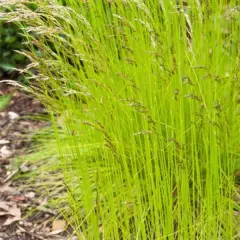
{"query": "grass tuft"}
(145, 94)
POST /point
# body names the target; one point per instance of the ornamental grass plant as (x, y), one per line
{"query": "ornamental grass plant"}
(144, 99)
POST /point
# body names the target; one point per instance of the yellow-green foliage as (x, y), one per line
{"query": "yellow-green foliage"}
(148, 98)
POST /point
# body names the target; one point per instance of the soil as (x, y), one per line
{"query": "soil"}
(17, 129)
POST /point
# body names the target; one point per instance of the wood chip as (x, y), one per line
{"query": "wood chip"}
(3, 141)
(5, 152)
(13, 115)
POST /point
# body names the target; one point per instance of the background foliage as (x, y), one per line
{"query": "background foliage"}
(10, 40)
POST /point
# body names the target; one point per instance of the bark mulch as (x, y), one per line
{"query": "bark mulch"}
(16, 131)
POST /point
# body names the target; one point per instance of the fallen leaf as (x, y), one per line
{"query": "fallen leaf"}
(15, 213)
(58, 225)
(4, 206)
(11, 220)
(6, 188)
(4, 213)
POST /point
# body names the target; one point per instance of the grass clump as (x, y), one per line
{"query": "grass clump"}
(146, 96)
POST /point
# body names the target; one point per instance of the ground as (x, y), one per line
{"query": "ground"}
(16, 200)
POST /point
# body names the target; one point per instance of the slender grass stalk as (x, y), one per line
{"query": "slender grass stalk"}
(147, 94)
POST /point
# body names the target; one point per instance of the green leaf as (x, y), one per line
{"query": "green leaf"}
(19, 57)
(10, 39)
(4, 101)
(6, 67)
